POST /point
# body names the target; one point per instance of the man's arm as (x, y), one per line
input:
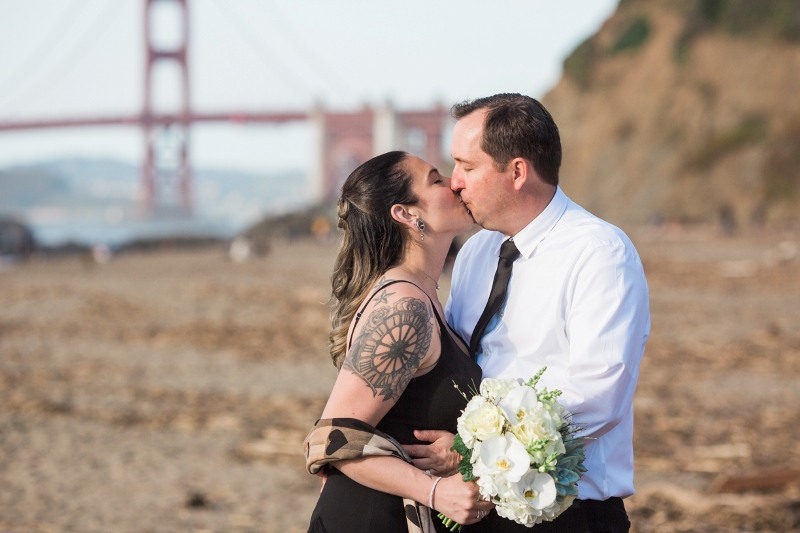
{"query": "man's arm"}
(438, 457)
(607, 325)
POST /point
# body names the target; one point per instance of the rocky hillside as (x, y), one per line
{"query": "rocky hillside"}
(686, 111)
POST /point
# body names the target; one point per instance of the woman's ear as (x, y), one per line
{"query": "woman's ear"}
(401, 214)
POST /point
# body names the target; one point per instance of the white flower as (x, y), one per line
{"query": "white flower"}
(494, 389)
(502, 457)
(530, 429)
(531, 501)
(556, 410)
(494, 487)
(520, 403)
(532, 422)
(542, 431)
(515, 437)
(481, 420)
(537, 489)
(519, 511)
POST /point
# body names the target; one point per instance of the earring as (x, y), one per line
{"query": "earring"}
(421, 227)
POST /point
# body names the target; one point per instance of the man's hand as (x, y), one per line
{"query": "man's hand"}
(436, 458)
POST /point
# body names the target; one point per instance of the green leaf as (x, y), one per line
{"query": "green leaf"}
(465, 466)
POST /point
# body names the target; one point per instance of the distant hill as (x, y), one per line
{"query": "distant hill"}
(686, 111)
(86, 199)
(67, 184)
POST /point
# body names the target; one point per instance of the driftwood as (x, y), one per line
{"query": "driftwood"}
(767, 479)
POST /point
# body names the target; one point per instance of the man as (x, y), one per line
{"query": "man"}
(577, 299)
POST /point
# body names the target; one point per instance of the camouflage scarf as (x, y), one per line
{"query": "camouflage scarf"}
(335, 439)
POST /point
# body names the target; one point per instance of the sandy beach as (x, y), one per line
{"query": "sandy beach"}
(170, 390)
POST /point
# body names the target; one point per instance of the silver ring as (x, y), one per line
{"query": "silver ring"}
(480, 514)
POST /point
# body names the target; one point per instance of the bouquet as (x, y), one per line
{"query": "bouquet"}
(519, 445)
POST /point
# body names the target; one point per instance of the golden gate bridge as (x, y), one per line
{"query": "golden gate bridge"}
(343, 139)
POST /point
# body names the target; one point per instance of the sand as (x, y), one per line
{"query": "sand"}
(169, 391)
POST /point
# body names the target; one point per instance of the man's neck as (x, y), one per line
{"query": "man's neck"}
(530, 206)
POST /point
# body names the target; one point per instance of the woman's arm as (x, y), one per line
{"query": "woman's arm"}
(395, 338)
(457, 499)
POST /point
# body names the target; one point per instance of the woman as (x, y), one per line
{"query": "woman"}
(398, 360)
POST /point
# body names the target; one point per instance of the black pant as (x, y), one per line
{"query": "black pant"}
(583, 516)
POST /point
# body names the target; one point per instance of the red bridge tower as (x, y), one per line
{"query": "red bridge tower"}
(166, 170)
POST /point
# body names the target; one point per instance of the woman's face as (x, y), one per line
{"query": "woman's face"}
(440, 208)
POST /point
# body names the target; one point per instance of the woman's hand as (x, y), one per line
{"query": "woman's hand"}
(323, 477)
(436, 458)
(460, 500)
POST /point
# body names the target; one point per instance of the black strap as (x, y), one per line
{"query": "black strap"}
(391, 282)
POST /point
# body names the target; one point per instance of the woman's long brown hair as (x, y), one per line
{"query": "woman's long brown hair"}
(373, 241)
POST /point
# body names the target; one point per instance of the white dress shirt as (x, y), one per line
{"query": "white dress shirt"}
(577, 304)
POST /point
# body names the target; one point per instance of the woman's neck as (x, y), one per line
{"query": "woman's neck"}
(425, 263)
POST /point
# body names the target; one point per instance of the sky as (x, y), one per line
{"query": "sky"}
(81, 58)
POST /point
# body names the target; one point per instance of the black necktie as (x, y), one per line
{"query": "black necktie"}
(508, 253)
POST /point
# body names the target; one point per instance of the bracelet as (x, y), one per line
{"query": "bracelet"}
(433, 488)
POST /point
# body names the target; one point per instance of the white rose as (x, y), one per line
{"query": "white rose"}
(480, 420)
(535, 426)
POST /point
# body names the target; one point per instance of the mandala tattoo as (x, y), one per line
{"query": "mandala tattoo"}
(391, 346)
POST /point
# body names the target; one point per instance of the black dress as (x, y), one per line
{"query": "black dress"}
(430, 401)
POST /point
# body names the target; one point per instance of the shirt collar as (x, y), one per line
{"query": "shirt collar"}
(529, 237)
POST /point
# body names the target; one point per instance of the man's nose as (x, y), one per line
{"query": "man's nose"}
(456, 183)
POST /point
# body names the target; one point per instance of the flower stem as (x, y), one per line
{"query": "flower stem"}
(449, 523)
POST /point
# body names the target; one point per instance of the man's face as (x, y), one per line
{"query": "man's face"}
(475, 176)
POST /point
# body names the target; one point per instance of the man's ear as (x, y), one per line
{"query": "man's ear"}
(402, 215)
(521, 171)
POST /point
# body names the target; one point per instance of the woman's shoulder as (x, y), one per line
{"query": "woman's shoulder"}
(398, 284)
(391, 290)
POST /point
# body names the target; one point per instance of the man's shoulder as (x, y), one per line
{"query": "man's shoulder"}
(587, 229)
(481, 240)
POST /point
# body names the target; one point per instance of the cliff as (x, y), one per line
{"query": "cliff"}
(686, 111)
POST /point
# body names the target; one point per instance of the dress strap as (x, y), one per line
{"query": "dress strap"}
(376, 291)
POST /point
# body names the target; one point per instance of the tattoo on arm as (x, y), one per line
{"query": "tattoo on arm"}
(391, 346)
(383, 297)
